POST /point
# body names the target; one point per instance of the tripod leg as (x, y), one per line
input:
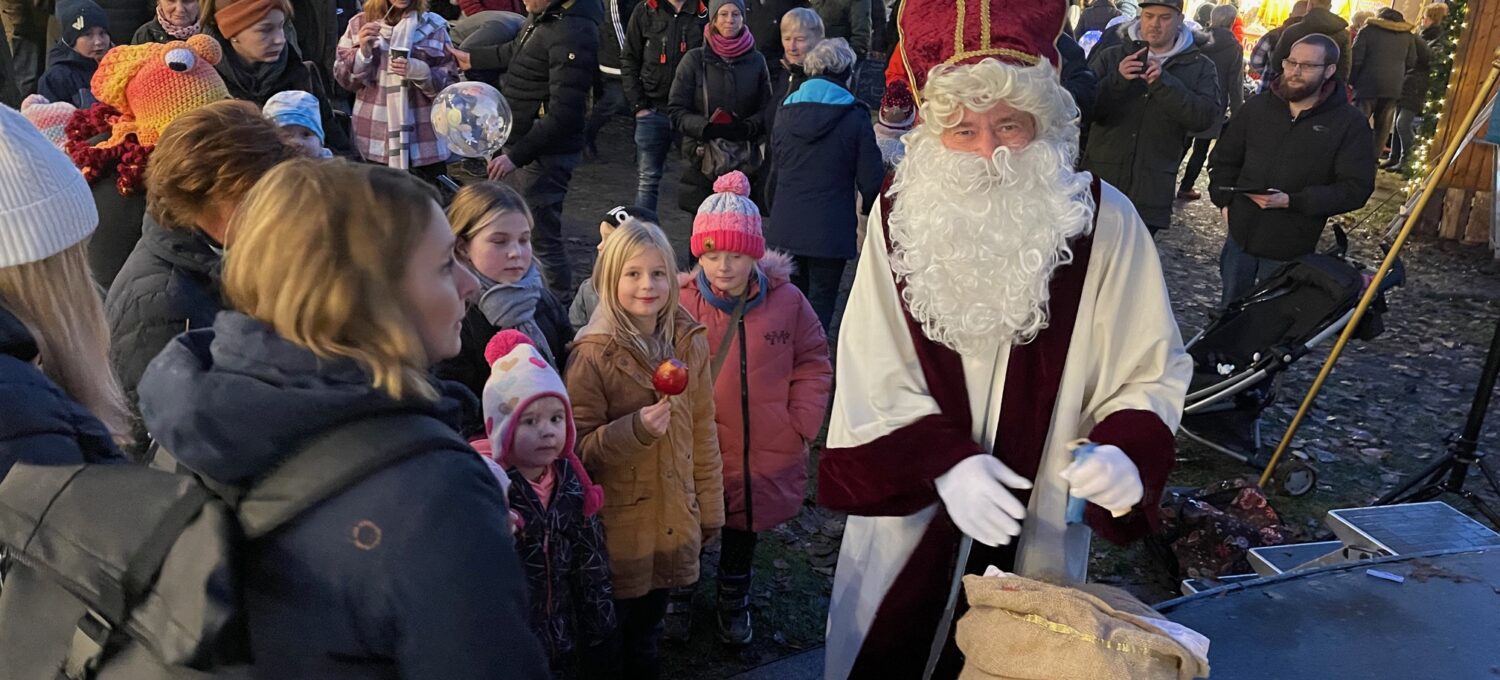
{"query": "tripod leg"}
(1415, 485)
(1483, 507)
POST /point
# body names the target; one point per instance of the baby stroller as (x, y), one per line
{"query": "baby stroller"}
(1239, 359)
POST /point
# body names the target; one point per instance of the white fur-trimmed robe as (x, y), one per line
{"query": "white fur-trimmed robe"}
(1122, 382)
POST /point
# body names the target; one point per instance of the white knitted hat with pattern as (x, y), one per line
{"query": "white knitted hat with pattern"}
(45, 203)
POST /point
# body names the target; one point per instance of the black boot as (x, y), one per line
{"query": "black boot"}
(679, 619)
(735, 628)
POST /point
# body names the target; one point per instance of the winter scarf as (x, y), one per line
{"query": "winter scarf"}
(258, 81)
(178, 32)
(513, 305)
(727, 304)
(728, 48)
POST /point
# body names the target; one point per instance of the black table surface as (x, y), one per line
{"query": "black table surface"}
(1443, 621)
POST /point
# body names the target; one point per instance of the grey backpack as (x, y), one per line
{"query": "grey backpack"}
(126, 572)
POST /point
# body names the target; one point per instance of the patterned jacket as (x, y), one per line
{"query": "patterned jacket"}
(429, 44)
(567, 568)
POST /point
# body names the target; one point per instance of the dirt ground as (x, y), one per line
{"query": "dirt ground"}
(1384, 413)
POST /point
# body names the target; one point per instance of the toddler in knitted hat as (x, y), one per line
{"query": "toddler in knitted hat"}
(49, 117)
(296, 113)
(898, 112)
(586, 300)
(529, 422)
(728, 220)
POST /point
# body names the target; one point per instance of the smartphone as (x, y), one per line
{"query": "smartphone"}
(1137, 46)
(1254, 191)
(721, 117)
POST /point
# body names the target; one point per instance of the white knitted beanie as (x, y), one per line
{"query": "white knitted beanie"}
(45, 203)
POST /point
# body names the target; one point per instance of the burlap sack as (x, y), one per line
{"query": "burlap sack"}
(1020, 629)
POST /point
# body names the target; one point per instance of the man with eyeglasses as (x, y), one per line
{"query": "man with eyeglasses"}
(1155, 88)
(1289, 159)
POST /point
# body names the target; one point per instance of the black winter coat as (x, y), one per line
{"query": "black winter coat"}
(120, 220)
(1384, 54)
(470, 368)
(825, 157)
(1418, 79)
(763, 18)
(567, 570)
(549, 70)
(1095, 17)
(10, 95)
(741, 87)
(42, 424)
(1140, 132)
(246, 81)
(67, 77)
(151, 32)
(1317, 20)
(125, 16)
(655, 42)
(169, 285)
(1077, 79)
(1229, 62)
(410, 572)
(1324, 160)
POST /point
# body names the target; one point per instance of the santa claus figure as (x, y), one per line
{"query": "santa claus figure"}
(1005, 306)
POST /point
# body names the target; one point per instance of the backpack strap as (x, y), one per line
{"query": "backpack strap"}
(334, 460)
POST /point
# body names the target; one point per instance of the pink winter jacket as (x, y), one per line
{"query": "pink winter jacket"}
(789, 380)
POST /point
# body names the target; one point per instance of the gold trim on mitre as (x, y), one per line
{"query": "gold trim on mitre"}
(986, 49)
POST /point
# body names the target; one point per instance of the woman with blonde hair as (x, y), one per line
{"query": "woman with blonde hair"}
(657, 456)
(345, 290)
(493, 226)
(62, 403)
(368, 66)
(204, 164)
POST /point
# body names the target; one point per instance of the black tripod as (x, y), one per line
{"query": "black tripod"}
(1447, 474)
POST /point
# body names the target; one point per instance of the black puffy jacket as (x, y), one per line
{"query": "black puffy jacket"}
(125, 16)
(1139, 132)
(1384, 53)
(656, 40)
(741, 87)
(549, 70)
(169, 284)
(42, 424)
(1323, 160)
(470, 366)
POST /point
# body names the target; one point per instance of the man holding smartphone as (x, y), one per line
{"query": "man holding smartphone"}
(1289, 159)
(1155, 88)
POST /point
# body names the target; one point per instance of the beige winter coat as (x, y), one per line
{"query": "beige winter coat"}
(660, 494)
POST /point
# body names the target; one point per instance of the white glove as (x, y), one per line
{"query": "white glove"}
(417, 70)
(981, 506)
(1107, 478)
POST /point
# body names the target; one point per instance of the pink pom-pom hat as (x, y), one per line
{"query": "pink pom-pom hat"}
(729, 221)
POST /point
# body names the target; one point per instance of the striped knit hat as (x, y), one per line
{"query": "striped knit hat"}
(45, 204)
(51, 118)
(728, 220)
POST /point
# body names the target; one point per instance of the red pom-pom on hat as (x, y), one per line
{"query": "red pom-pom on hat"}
(503, 343)
(733, 183)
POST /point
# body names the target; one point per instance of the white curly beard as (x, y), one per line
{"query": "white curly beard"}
(976, 240)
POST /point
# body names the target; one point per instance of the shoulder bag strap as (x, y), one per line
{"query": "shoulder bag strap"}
(734, 322)
(334, 460)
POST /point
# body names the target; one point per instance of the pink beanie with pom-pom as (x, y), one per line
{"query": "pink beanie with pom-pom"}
(520, 375)
(728, 220)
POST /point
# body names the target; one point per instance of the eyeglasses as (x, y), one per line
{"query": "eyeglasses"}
(1289, 65)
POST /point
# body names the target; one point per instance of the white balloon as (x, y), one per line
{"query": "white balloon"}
(473, 118)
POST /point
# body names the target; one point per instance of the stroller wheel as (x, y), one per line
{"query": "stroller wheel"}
(1294, 478)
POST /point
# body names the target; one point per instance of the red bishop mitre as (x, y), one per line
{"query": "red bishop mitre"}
(937, 32)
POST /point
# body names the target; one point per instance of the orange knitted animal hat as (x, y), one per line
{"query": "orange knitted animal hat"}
(151, 85)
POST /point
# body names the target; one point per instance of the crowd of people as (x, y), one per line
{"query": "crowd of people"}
(227, 228)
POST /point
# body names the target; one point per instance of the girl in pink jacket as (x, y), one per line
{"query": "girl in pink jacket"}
(772, 382)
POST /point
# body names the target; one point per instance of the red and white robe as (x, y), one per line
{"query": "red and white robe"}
(1110, 366)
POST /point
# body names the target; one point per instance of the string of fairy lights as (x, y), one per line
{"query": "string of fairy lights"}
(1440, 88)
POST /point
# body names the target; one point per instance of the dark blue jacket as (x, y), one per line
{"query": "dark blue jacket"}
(410, 573)
(42, 424)
(169, 284)
(67, 77)
(826, 155)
